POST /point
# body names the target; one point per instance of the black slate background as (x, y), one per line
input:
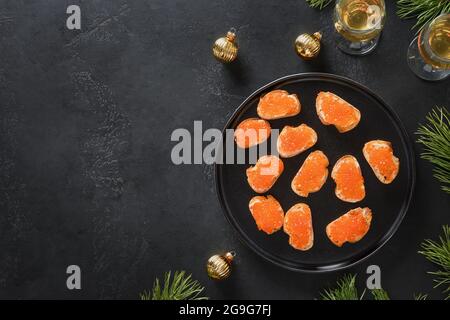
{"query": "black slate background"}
(86, 118)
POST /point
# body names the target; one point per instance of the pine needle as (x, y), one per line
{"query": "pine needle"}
(435, 137)
(146, 295)
(380, 294)
(423, 10)
(320, 4)
(180, 287)
(420, 296)
(439, 254)
(345, 290)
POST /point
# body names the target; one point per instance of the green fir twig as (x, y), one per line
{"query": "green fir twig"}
(435, 137)
(420, 296)
(345, 290)
(178, 287)
(319, 4)
(380, 294)
(423, 10)
(438, 252)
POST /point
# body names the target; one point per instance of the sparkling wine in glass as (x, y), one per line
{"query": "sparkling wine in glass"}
(359, 24)
(429, 53)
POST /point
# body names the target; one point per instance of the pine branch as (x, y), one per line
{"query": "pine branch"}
(439, 254)
(380, 294)
(320, 4)
(180, 287)
(423, 10)
(435, 137)
(344, 290)
(420, 296)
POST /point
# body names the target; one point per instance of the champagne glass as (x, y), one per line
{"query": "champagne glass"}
(358, 24)
(429, 53)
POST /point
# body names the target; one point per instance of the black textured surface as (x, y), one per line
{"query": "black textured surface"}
(387, 202)
(86, 117)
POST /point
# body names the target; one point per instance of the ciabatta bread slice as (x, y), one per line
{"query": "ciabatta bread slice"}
(380, 156)
(333, 110)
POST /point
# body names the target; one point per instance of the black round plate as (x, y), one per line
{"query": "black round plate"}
(389, 203)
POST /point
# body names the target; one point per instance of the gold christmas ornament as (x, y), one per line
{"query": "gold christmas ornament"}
(225, 49)
(219, 266)
(307, 46)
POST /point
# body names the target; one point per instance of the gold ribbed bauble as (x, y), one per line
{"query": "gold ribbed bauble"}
(219, 266)
(307, 46)
(225, 49)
